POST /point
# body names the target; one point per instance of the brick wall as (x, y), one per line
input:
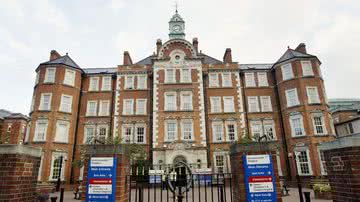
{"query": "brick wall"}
(123, 170)
(19, 166)
(343, 168)
(237, 168)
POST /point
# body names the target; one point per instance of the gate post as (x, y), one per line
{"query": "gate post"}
(122, 169)
(239, 155)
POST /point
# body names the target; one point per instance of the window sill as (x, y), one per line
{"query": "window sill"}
(91, 116)
(168, 110)
(134, 89)
(308, 76)
(136, 115)
(103, 116)
(44, 110)
(257, 87)
(298, 137)
(321, 135)
(93, 91)
(68, 85)
(57, 142)
(315, 103)
(48, 83)
(221, 87)
(293, 106)
(65, 112)
(260, 112)
(186, 110)
(106, 91)
(216, 113)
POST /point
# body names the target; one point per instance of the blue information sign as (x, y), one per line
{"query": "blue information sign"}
(259, 178)
(101, 179)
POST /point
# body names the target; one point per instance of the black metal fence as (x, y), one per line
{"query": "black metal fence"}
(182, 188)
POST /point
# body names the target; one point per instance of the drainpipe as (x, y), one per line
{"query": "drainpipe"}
(206, 124)
(245, 106)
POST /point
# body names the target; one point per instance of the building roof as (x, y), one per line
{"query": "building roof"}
(256, 66)
(109, 70)
(207, 60)
(9, 115)
(290, 54)
(63, 60)
(146, 61)
(344, 104)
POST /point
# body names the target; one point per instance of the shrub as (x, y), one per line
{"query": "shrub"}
(321, 188)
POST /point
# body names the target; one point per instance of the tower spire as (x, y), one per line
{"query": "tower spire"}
(176, 25)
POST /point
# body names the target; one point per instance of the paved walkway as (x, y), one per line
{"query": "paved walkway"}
(293, 197)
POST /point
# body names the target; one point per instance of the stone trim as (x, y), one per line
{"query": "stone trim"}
(342, 142)
(20, 149)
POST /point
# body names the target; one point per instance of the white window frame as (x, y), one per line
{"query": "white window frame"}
(250, 79)
(289, 99)
(167, 131)
(287, 71)
(167, 106)
(36, 132)
(167, 75)
(69, 80)
(41, 106)
(262, 79)
(266, 124)
(316, 98)
(308, 162)
(98, 129)
(229, 108)
(227, 123)
(54, 156)
(137, 126)
(88, 112)
(128, 138)
(307, 69)
(184, 121)
(59, 137)
(182, 100)
(89, 127)
(214, 135)
(37, 78)
(226, 78)
(293, 132)
(321, 161)
(266, 107)
(212, 103)
(32, 107)
(129, 82)
(213, 82)
(250, 108)
(143, 83)
(40, 167)
(131, 108)
(107, 110)
(94, 80)
(138, 111)
(321, 116)
(183, 77)
(50, 78)
(62, 104)
(252, 123)
(104, 85)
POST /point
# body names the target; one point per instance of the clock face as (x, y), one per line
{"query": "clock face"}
(176, 28)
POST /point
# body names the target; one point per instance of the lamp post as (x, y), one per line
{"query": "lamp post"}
(298, 180)
(59, 178)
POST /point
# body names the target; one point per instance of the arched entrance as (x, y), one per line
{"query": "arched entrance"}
(179, 162)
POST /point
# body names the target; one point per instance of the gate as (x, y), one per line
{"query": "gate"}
(180, 188)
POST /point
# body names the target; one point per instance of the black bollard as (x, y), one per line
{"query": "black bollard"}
(53, 198)
(307, 196)
(62, 195)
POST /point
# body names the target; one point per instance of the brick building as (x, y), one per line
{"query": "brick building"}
(181, 105)
(346, 115)
(13, 127)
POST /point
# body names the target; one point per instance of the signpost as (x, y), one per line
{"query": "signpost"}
(101, 180)
(259, 178)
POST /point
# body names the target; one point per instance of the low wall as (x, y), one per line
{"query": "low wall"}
(19, 167)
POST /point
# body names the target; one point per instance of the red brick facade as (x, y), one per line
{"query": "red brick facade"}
(18, 172)
(180, 103)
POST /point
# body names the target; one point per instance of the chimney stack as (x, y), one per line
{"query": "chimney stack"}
(127, 58)
(227, 56)
(195, 44)
(158, 46)
(301, 48)
(54, 55)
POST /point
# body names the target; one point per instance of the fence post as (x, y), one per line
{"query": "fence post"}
(221, 194)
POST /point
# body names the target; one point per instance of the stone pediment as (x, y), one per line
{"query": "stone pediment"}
(179, 145)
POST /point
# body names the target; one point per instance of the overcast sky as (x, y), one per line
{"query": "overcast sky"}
(96, 33)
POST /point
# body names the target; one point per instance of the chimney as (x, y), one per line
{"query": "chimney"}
(54, 55)
(195, 44)
(158, 46)
(227, 56)
(127, 58)
(301, 48)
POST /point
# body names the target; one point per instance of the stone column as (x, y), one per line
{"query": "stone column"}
(19, 167)
(237, 167)
(123, 168)
(342, 158)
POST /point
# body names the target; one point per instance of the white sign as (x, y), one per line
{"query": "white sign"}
(102, 162)
(100, 189)
(258, 159)
(261, 187)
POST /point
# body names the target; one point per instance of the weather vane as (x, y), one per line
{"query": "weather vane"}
(176, 6)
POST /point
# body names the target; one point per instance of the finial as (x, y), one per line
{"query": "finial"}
(176, 7)
(66, 53)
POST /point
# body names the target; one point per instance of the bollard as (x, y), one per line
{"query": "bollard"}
(307, 196)
(53, 199)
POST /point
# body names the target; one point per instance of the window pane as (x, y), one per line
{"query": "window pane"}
(266, 104)
(129, 82)
(171, 130)
(170, 102)
(218, 132)
(231, 132)
(229, 104)
(186, 101)
(186, 75)
(187, 127)
(226, 80)
(106, 83)
(213, 80)
(94, 84)
(69, 77)
(262, 79)
(287, 71)
(319, 125)
(307, 68)
(250, 80)
(215, 104)
(140, 134)
(141, 82)
(170, 76)
(253, 104)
